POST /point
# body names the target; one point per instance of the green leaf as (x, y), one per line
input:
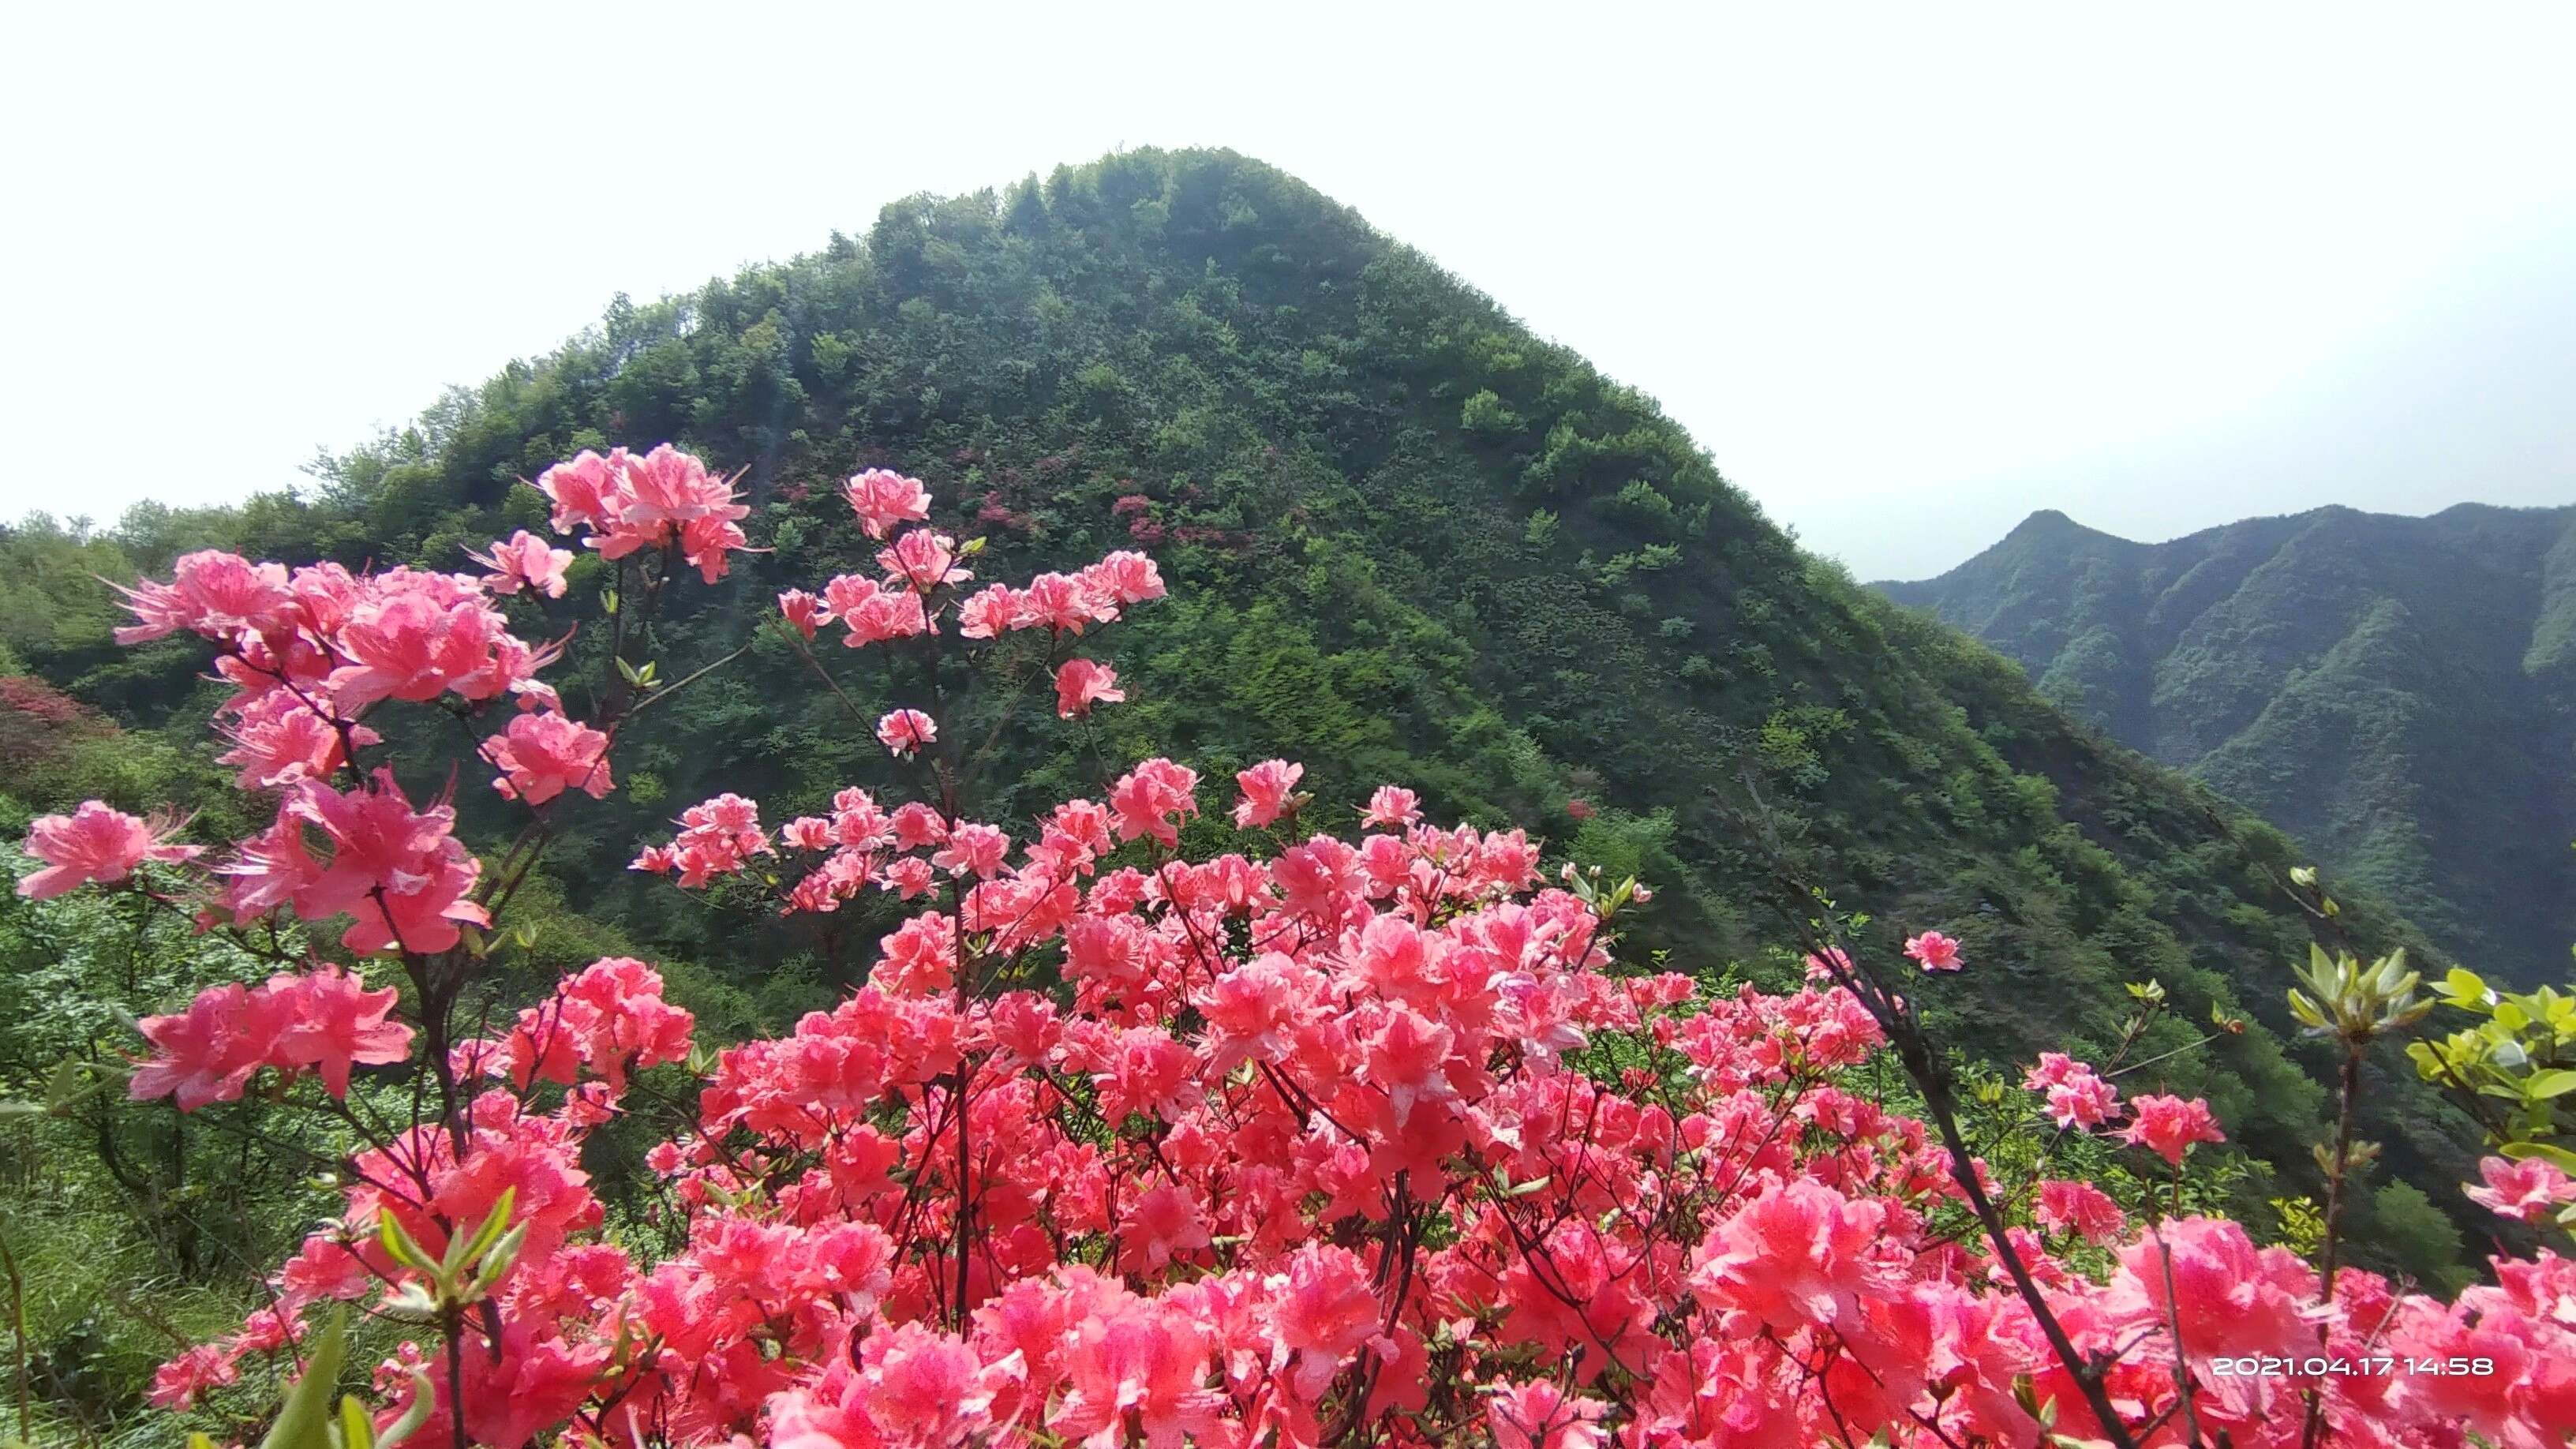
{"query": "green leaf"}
(400, 1247)
(2550, 1084)
(357, 1431)
(2560, 1155)
(463, 1252)
(304, 1421)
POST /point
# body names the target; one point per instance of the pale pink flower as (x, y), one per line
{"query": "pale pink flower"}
(906, 730)
(525, 561)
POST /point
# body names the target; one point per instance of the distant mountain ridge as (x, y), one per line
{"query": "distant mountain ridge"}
(2399, 693)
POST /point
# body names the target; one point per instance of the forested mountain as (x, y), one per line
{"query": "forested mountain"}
(2397, 693)
(1407, 541)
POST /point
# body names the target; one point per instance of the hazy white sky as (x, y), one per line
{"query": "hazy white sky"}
(1907, 273)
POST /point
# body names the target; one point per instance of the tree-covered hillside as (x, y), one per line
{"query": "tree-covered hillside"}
(2398, 693)
(1408, 541)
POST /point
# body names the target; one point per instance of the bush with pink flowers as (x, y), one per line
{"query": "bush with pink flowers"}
(1358, 1130)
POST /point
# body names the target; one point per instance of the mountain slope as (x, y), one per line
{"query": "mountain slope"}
(1407, 541)
(2399, 693)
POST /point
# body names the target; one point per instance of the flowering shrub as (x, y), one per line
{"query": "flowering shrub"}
(1318, 1139)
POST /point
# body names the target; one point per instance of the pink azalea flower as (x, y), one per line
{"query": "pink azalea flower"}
(2170, 1125)
(542, 755)
(1266, 789)
(1934, 951)
(1539, 1415)
(883, 498)
(2076, 1096)
(2079, 1207)
(93, 843)
(525, 561)
(906, 730)
(1082, 683)
(2527, 1188)
(1392, 808)
(803, 610)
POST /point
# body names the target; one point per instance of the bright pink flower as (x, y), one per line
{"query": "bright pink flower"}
(1164, 1226)
(1798, 1253)
(921, 560)
(873, 613)
(416, 636)
(2527, 1189)
(2170, 1125)
(178, 1383)
(1324, 1313)
(1152, 798)
(542, 755)
(322, 1269)
(803, 610)
(333, 1022)
(278, 740)
(1934, 951)
(401, 873)
(883, 498)
(588, 491)
(268, 869)
(708, 545)
(1124, 578)
(1392, 808)
(1147, 1360)
(1825, 965)
(667, 486)
(915, 825)
(1539, 1415)
(609, 1017)
(2076, 1097)
(663, 499)
(909, 876)
(973, 848)
(206, 1053)
(990, 611)
(916, 1389)
(906, 730)
(1266, 788)
(717, 837)
(220, 595)
(93, 843)
(1082, 683)
(525, 561)
(1064, 603)
(2079, 1207)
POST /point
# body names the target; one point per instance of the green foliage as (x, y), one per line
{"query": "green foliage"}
(2398, 693)
(2514, 1066)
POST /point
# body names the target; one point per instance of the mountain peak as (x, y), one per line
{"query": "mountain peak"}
(2050, 523)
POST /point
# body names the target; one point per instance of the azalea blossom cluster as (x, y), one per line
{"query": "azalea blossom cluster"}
(666, 499)
(1316, 1138)
(1357, 1132)
(312, 651)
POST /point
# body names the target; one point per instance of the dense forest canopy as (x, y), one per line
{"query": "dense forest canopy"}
(2396, 692)
(1408, 542)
